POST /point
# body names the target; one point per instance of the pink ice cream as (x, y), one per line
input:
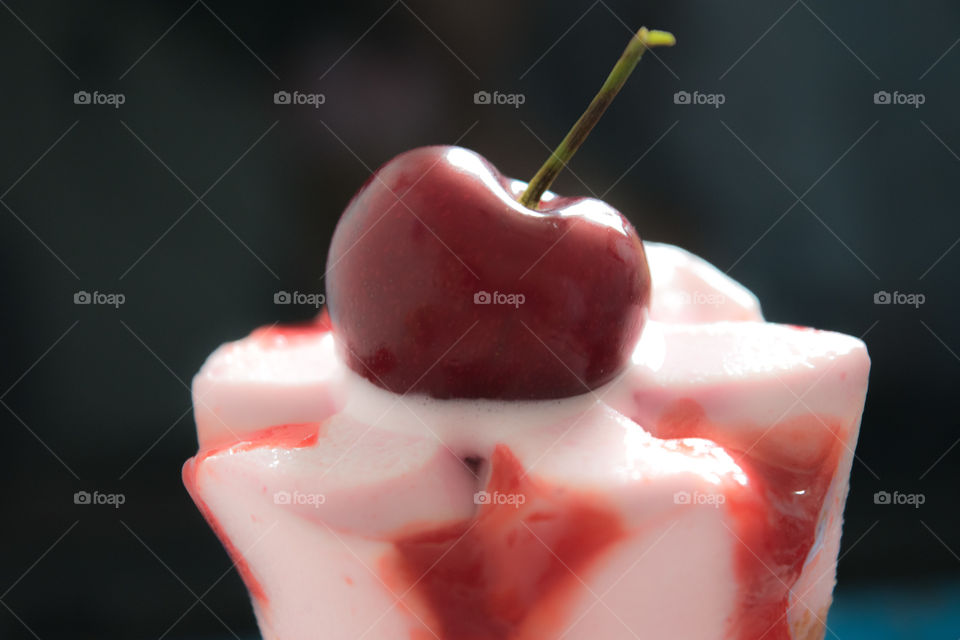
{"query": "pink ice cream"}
(697, 496)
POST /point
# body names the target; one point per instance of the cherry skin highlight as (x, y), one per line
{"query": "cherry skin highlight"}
(440, 282)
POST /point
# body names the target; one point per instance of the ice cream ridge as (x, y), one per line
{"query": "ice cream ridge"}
(517, 421)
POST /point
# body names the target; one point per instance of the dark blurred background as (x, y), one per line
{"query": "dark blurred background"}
(198, 197)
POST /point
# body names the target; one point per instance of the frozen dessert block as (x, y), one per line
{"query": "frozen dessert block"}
(698, 495)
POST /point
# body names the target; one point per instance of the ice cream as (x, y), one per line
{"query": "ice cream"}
(698, 495)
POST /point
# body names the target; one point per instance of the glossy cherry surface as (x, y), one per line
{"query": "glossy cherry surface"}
(440, 282)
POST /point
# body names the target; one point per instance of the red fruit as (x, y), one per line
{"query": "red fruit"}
(438, 227)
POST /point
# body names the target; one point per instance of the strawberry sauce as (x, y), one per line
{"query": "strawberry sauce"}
(775, 521)
(776, 525)
(514, 570)
(510, 572)
(291, 332)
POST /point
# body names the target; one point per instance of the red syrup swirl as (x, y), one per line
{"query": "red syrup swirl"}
(502, 575)
(775, 522)
(510, 572)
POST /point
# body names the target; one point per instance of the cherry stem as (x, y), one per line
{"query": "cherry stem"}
(639, 43)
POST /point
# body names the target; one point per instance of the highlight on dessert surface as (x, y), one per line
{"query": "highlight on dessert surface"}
(517, 420)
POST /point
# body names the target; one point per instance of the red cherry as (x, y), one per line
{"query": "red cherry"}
(436, 229)
(448, 279)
